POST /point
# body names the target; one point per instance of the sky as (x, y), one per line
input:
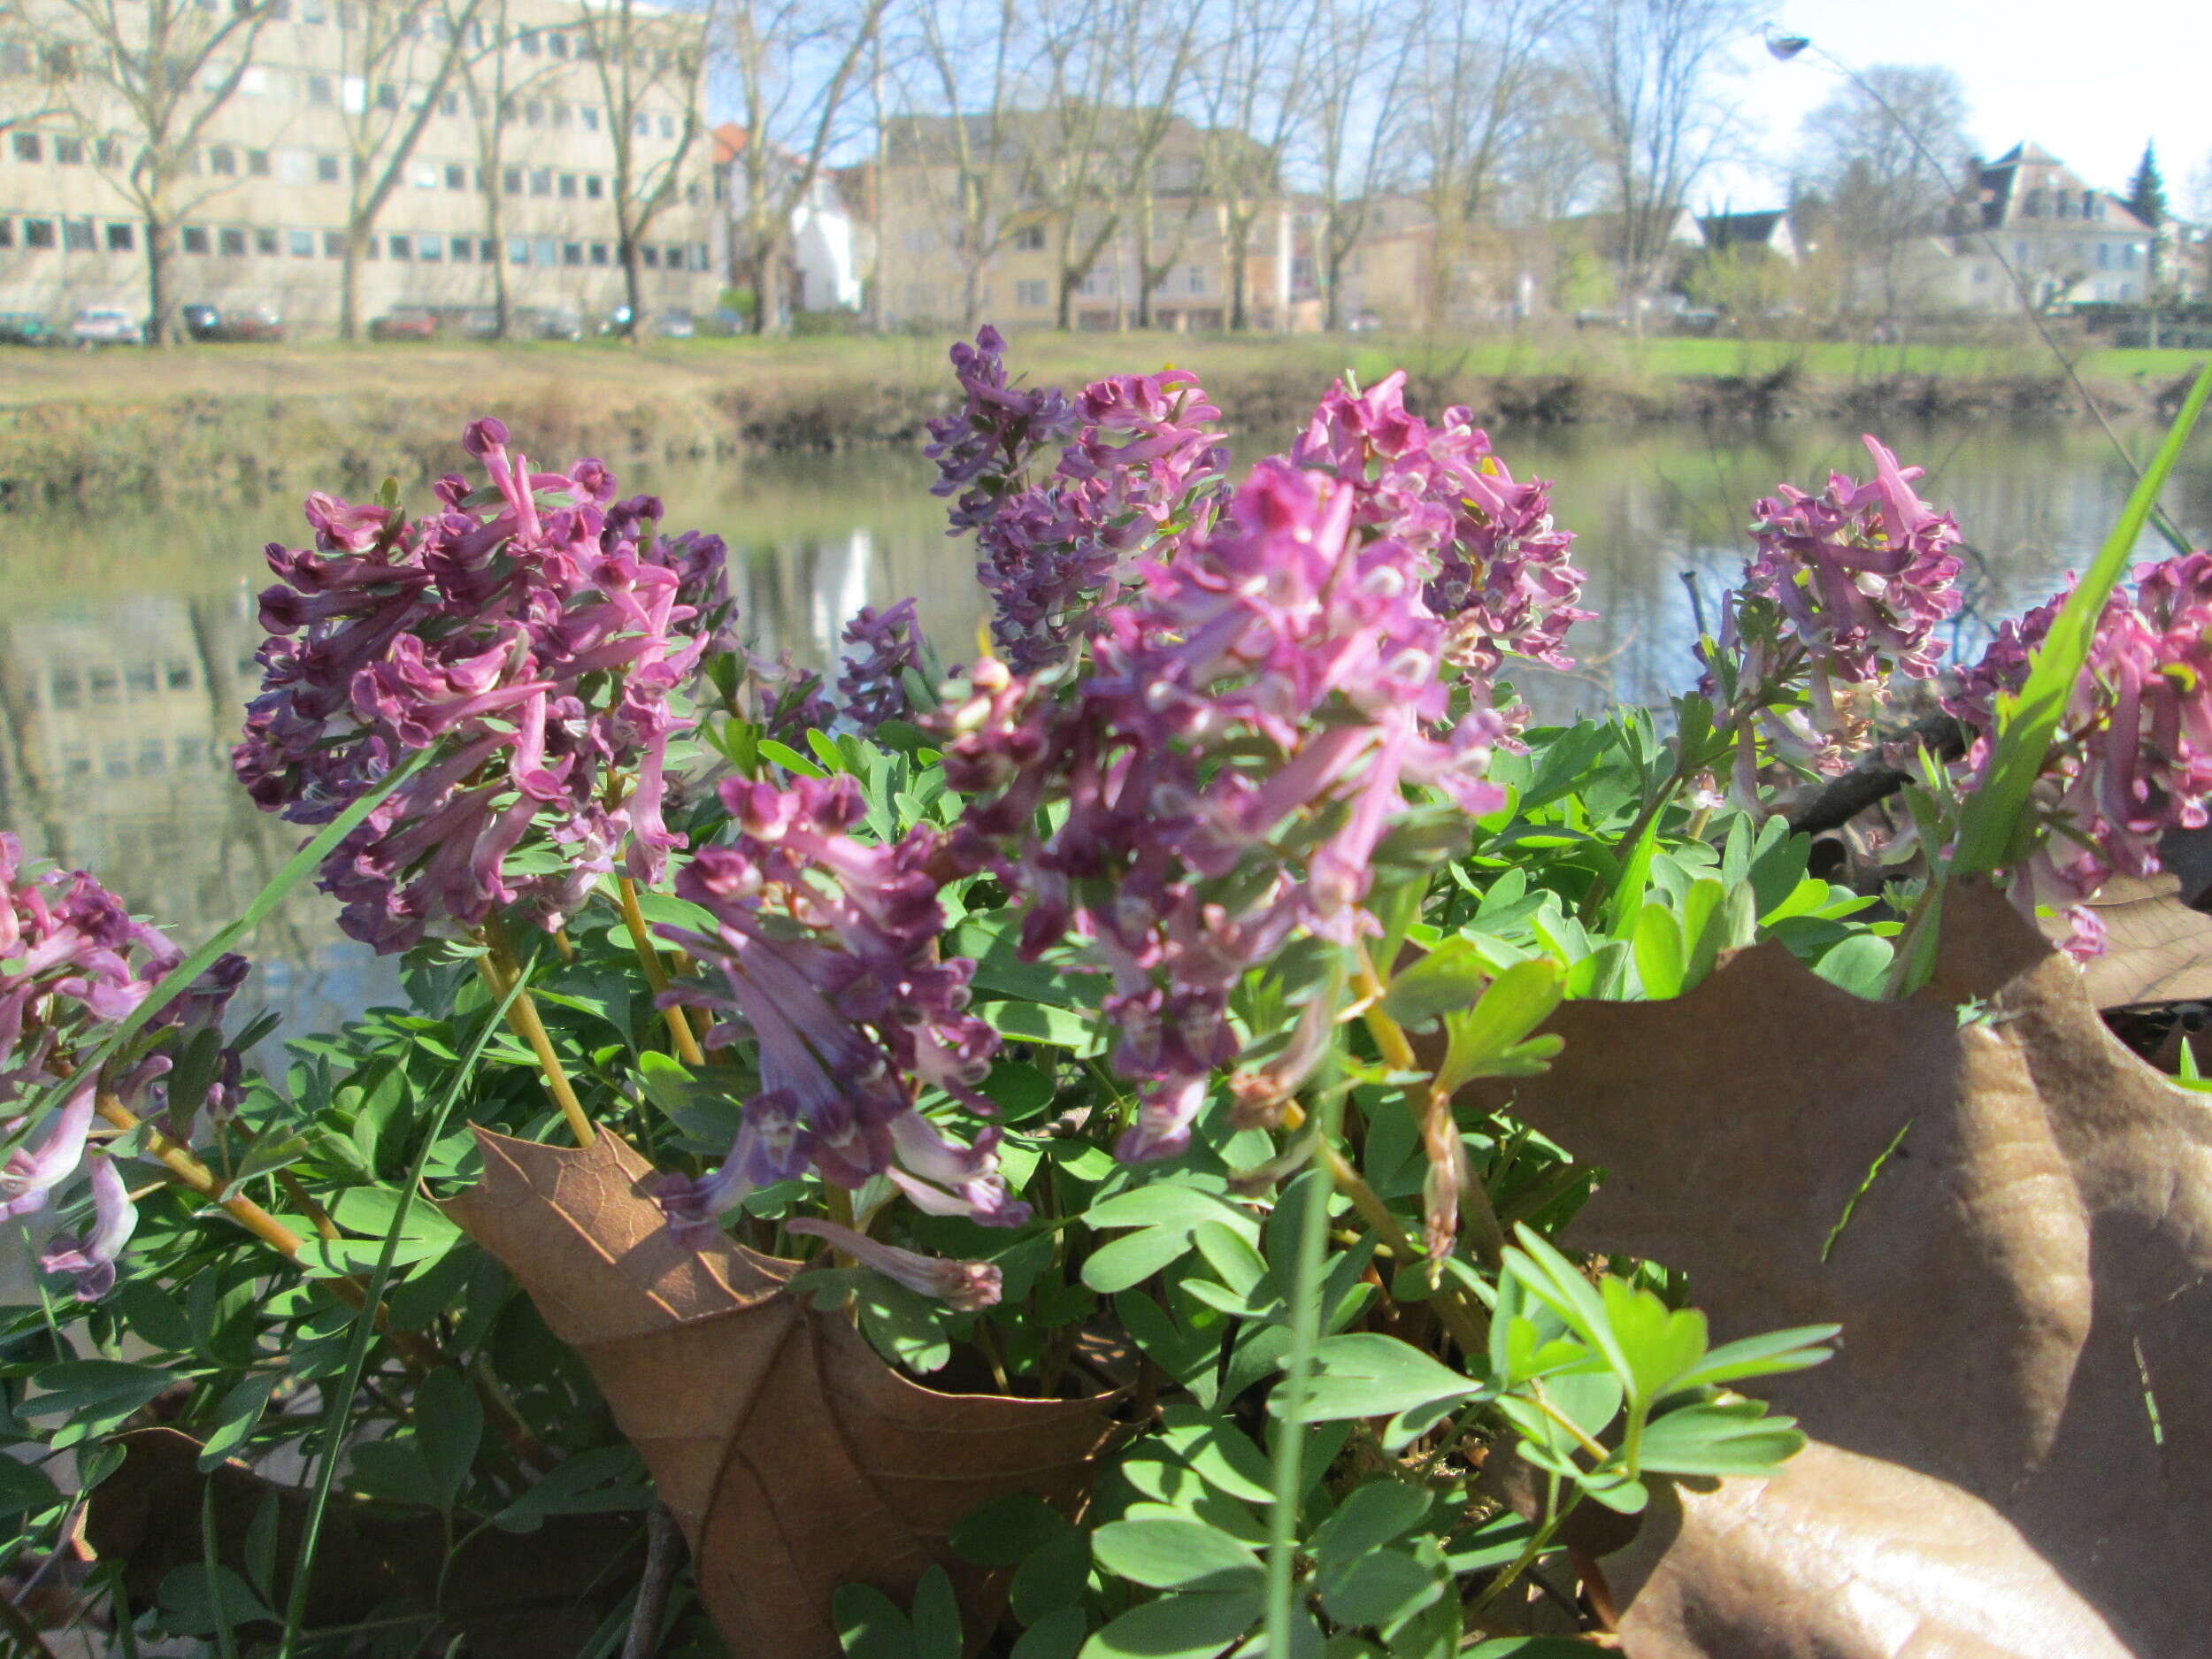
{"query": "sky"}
(2089, 83)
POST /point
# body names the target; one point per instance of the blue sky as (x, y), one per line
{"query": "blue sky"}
(2089, 84)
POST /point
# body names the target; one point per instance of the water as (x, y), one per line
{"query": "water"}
(127, 640)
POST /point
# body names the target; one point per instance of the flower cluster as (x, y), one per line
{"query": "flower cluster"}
(984, 451)
(1499, 566)
(73, 963)
(875, 684)
(532, 633)
(1230, 767)
(2134, 754)
(1145, 465)
(824, 954)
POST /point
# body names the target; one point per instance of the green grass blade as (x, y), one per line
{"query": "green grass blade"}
(340, 1411)
(2027, 722)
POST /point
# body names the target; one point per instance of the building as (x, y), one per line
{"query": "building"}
(831, 244)
(1763, 235)
(2068, 243)
(513, 165)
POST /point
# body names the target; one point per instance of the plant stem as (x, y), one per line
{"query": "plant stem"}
(1468, 1325)
(504, 974)
(187, 1170)
(304, 1202)
(687, 1045)
(663, 1550)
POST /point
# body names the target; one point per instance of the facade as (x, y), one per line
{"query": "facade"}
(2069, 243)
(265, 198)
(831, 244)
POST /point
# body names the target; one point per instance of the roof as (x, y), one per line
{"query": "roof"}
(1743, 230)
(2028, 182)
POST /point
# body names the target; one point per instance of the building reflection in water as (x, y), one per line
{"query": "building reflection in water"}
(126, 646)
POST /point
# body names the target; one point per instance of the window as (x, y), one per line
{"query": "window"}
(69, 152)
(560, 112)
(369, 248)
(27, 147)
(110, 152)
(1194, 279)
(223, 162)
(652, 256)
(7, 233)
(1032, 296)
(673, 258)
(541, 181)
(2133, 252)
(533, 112)
(517, 250)
(38, 233)
(76, 235)
(487, 251)
(326, 169)
(2104, 256)
(643, 127)
(556, 43)
(122, 238)
(528, 41)
(568, 187)
(403, 245)
(571, 253)
(594, 186)
(448, 103)
(598, 253)
(194, 239)
(430, 247)
(301, 243)
(692, 193)
(510, 181)
(257, 163)
(1030, 239)
(387, 95)
(589, 114)
(464, 249)
(293, 166)
(264, 243)
(457, 176)
(231, 243)
(428, 175)
(544, 251)
(668, 126)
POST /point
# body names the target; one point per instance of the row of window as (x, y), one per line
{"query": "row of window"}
(58, 60)
(235, 241)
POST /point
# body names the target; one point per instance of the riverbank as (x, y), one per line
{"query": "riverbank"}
(208, 422)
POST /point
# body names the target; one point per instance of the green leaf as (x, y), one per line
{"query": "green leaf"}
(1369, 1375)
(605, 1478)
(870, 1624)
(99, 1393)
(1736, 1439)
(1006, 1531)
(1053, 1577)
(1859, 964)
(1057, 1635)
(1661, 960)
(1767, 1355)
(1177, 1556)
(1449, 978)
(1659, 1343)
(1131, 1260)
(199, 1600)
(1040, 1022)
(154, 1316)
(1369, 1517)
(448, 1426)
(1553, 1281)
(1484, 1040)
(235, 1417)
(1219, 1453)
(936, 1618)
(396, 1471)
(1176, 1627)
(1379, 1588)
(25, 1489)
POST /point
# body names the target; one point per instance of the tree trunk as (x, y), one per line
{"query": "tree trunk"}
(633, 285)
(349, 284)
(1065, 319)
(1240, 274)
(1332, 300)
(159, 329)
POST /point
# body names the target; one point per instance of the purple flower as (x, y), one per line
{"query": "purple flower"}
(967, 1287)
(874, 685)
(825, 956)
(1231, 770)
(30, 1174)
(1499, 570)
(91, 1255)
(531, 633)
(984, 451)
(2133, 757)
(787, 701)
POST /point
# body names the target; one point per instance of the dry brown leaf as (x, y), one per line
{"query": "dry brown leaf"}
(514, 1596)
(2157, 948)
(1840, 1556)
(2027, 1273)
(795, 1459)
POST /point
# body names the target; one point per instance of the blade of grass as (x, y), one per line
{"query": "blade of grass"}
(2027, 722)
(226, 1638)
(340, 1411)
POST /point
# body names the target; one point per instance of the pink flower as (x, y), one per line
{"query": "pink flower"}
(91, 1255)
(966, 1286)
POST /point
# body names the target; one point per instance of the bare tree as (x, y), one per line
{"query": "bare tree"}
(17, 59)
(1252, 92)
(1475, 98)
(397, 60)
(794, 69)
(1356, 88)
(962, 59)
(139, 81)
(1647, 69)
(493, 91)
(1886, 153)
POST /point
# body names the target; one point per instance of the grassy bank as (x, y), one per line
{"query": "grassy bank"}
(220, 420)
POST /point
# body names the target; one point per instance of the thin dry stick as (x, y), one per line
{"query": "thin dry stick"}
(687, 1045)
(1467, 1324)
(663, 1550)
(501, 971)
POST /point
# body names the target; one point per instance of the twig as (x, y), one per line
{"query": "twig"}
(1873, 780)
(501, 973)
(649, 958)
(664, 1551)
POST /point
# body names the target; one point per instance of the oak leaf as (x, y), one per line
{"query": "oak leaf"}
(2009, 1215)
(793, 1457)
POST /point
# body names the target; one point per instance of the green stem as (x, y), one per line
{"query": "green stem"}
(511, 981)
(680, 1033)
(340, 1411)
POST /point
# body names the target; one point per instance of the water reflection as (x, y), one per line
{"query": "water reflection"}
(127, 644)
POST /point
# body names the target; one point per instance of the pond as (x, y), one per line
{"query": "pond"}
(127, 640)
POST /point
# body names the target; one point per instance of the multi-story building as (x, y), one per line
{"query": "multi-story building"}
(514, 166)
(2066, 241)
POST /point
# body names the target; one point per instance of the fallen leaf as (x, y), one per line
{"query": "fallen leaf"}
(795, 1459)
(2025, 1277)
(2157, 949)
(1840, 1556)
(513, 1596)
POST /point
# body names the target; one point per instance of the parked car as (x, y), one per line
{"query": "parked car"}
(106, 325)
(405, 322)
(25, 328)
(254, 323)
(482, 324)
(676, 326)
(201, 322)
(537, 322)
